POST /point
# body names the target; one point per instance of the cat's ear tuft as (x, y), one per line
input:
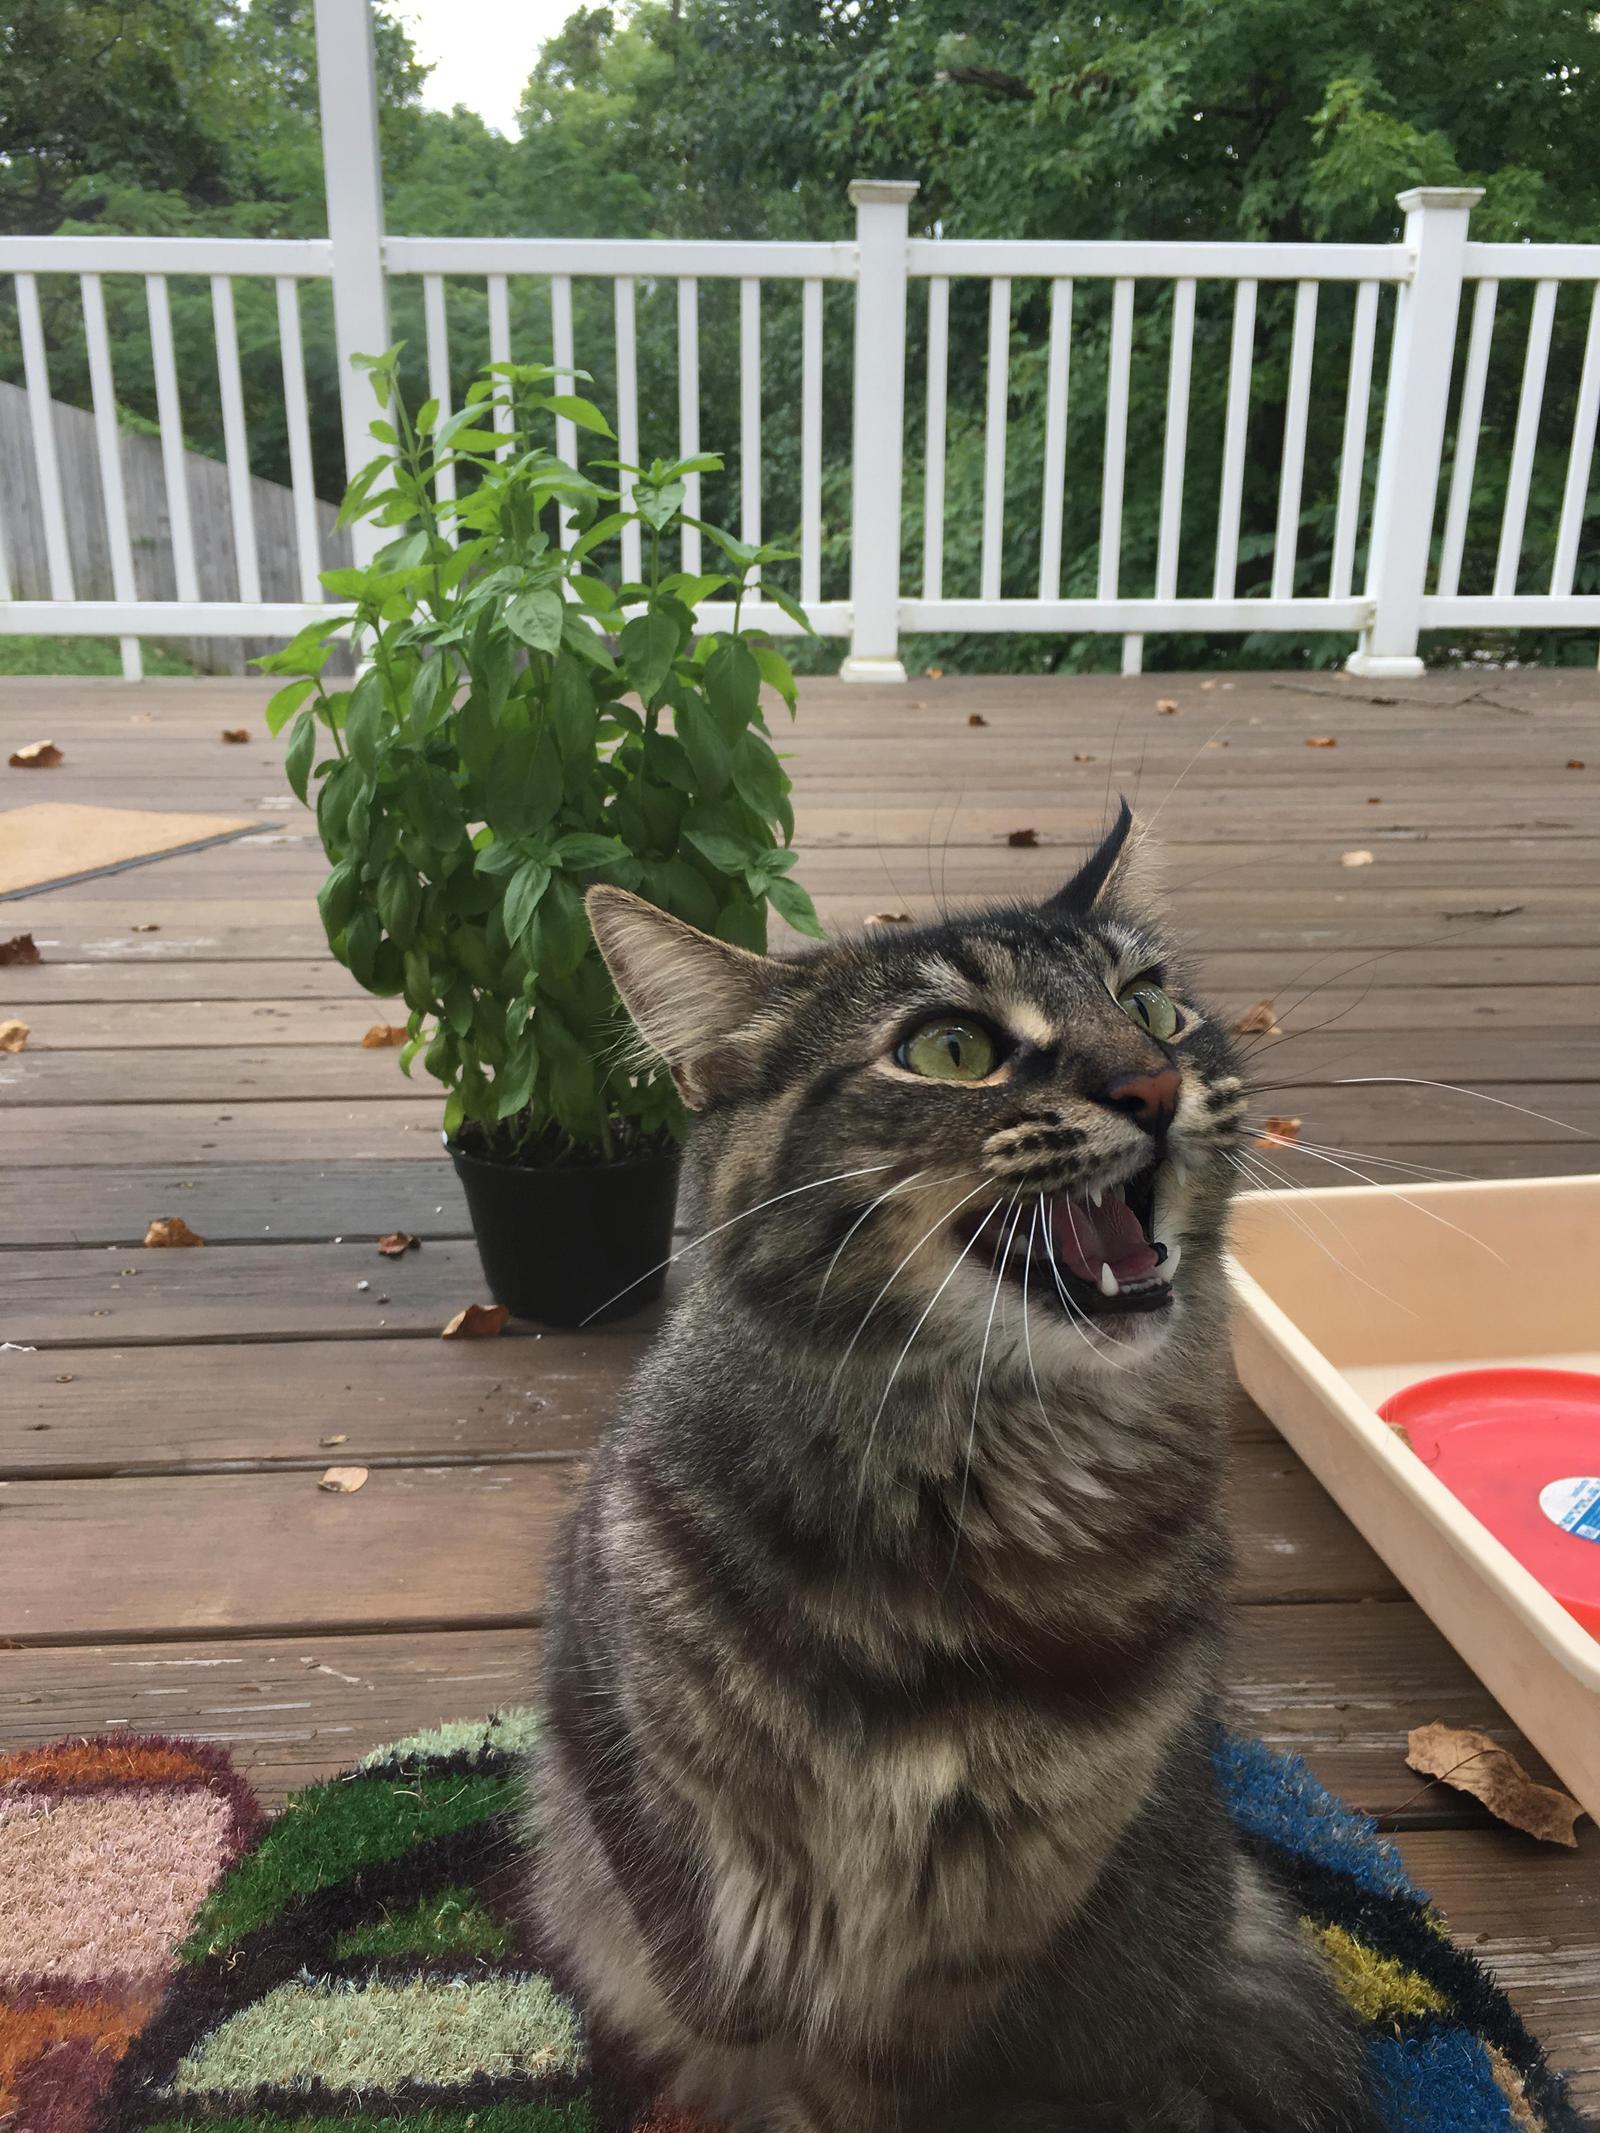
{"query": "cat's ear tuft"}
(694, 1000)
(1121, 874)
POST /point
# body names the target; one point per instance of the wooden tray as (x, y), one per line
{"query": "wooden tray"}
(1346, 1295)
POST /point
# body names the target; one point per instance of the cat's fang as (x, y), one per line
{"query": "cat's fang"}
(1169, 1265)
(1109, 1285)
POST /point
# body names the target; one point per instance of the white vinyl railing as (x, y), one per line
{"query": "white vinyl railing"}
(903, 289)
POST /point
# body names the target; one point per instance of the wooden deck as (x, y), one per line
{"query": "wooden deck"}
(167, 1561)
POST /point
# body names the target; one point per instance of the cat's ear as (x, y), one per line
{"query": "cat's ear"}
(1120, 874)
(694, 1000)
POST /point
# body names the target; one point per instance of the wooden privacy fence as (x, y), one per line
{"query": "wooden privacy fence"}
(1389, 569)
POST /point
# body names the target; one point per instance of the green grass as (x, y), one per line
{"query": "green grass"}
(78, 655)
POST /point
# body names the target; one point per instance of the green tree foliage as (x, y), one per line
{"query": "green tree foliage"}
(1160, 119)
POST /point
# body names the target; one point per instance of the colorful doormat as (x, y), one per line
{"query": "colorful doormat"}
(354, 1966)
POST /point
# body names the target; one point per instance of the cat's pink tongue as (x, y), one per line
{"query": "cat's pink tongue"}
(1088, 1238)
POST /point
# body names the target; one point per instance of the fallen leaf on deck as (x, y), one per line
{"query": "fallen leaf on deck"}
(1023, 839)
(37, 755)
(1473, 1762)
(1169, 707)
(1086, 759)
(1373, 800)
(1280, 1129)
(328, 1443)
(144, 929)
(919, 705)
(398, 1243)
(170, 1230)
(21, 948)
(1258, 1021)
(343, 1480)
(1355, 859)
(1321, 740)
(384, 1033)
(936, 673)
(236, 733)
(478, 1322)
(1575, 764)
(887, 918)
(976, 718)
(13, 1036)
(1208, 685)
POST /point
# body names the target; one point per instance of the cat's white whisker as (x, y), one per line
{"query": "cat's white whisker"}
(977, 1390)
(1350, 1170)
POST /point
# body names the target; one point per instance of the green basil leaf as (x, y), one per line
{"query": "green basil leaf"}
(574, 408)
(282, 707)
(726, 854)
(298, 755)
(648, 647)
(361, 939)
(572, 713)
(363, 720)
(758, 775)
(792, 903)
(534, 618)
(523, 894)
(733, 689)
(399, 901)
(338, 896)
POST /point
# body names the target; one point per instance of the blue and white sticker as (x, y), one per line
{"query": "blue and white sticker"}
(1573, 1505)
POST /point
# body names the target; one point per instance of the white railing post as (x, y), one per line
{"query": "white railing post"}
(347, 93)
(883, 213)
(1413, 430)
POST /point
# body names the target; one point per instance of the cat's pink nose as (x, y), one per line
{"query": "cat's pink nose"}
(1148, 1099)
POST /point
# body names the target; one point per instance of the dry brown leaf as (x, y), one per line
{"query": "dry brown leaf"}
(329, 1442)
(13, 1036)
(1575, 764)
(1280, 1129)
(976, 718)
(144, 929)
(385, 1033)
(343, 1480)
(36, 755)
(919, 705)
(21, 948)
(1086, 759)
(1169, 707)
(478, 1322)
(887, 918)
(1474, 1762)
(1321, 740)
(1208, 685)
(1023, 840)
(936, 673)
(1355, 859)
(170, 1230)
(236, 733)
(1258, 1021)
(398, 1243)
(1373, 800)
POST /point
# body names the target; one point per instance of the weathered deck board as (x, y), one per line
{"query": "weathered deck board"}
(170, 1563)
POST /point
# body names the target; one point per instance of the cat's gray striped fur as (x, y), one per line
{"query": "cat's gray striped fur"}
(884, 1641)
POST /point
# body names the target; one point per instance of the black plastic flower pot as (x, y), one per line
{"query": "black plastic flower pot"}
(575, 1246)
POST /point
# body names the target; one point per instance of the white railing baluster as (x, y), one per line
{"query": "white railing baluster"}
(1292, 473)
(1353, 454)
(174, 459)
(934, 438)
(307, 537)
(436, 329)
(811, 442)
(1529, 407)
(1580, 459)
(1118, 366)
(750, 416)
(563, 362)
(108, 450)
(41, 421)
(1469, 428)
(235, 445)
(500, 352)
(689, 410)
(1175, 444)
(627, 412)
(1235, 424)
(1052, 494)
(994, 438)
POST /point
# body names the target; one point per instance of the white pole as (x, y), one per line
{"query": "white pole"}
(347, 90)
(883, 214)
(1413, 430)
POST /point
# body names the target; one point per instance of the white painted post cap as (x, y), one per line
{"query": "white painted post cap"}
(1440, 196)
(882, 192)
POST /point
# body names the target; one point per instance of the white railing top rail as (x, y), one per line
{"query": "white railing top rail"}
(658, 258)
(302, 257)
(1062, 259)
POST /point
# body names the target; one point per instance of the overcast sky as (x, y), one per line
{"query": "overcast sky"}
(482, 51)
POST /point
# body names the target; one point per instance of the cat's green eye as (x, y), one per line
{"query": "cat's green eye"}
(950, 1049)
(1154, 1010)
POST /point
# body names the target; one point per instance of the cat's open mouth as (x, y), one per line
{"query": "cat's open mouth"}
(1099, 1253)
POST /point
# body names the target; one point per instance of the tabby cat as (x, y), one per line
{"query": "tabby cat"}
(883, 1660)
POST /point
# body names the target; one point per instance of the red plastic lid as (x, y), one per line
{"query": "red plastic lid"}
(1521, 1449)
